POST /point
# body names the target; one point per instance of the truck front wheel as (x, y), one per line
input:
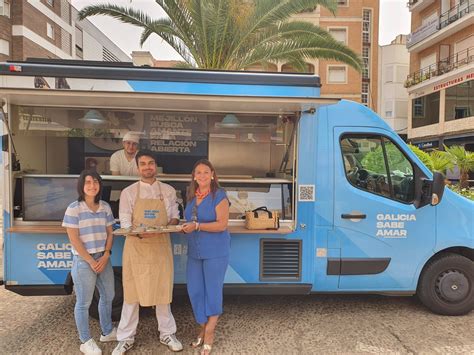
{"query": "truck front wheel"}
(116, 303)
(446, 285)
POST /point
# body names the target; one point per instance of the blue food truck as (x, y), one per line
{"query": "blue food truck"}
(359, 212)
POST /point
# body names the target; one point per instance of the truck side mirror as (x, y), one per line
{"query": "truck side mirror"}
(437, 188)
(429, 191)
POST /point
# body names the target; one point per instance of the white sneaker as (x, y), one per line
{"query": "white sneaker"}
(90, 348)
(112, 336)
(171, 342)
(122, 347)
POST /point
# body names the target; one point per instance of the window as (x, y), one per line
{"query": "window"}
(461, 112)
(365, 93)
(375, 164)
(4, 8)
(366, 19)
(365, 61)
(4, 47)
(337, 75)
(79, 42)
(49, 30)
(460, 101)
(108, 56)
(425, 110)
(418, 107)
(389, 73)
(339, 34)
(342, 2)
(388, 109)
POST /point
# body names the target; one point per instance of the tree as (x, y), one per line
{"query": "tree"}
(236, 34)
(435, 161)
(464, 160)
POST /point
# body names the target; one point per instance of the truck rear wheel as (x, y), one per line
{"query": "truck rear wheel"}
(446, 285)
(116, 303)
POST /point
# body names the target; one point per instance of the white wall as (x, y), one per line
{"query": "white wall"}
(391, 91)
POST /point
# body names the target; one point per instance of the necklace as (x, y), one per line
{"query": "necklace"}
(200, 195)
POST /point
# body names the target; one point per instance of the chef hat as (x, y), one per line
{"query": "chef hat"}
(132, 137)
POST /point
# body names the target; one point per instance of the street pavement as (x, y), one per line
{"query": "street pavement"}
(322, 324)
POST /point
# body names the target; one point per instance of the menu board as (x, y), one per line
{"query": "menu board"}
(179, 134)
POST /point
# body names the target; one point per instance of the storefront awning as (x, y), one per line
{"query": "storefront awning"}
(163, 102)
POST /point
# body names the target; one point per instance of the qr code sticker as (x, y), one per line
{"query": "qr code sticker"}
(306, 193)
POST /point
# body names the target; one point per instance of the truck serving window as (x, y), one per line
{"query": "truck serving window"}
(375, 164)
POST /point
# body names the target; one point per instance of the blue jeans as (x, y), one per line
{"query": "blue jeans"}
(85, 282)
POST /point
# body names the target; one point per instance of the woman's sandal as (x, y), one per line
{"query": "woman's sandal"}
(197, 343)
(206, 349)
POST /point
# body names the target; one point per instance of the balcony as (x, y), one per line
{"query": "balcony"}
(448, 23)
(418, 5)
(444, 66)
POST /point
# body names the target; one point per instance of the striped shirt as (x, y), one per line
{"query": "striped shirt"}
(92, 225)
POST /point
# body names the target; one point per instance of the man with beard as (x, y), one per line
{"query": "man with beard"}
(147, 266)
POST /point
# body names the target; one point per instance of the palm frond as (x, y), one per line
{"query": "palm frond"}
(124, 14)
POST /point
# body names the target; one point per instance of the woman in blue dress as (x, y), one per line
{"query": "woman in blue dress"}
(207, 213)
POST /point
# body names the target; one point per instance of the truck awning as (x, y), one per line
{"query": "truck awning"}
(163, 102)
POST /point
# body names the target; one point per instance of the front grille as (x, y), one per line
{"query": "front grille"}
(280, 260)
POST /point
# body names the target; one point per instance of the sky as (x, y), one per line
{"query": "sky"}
(394, 20)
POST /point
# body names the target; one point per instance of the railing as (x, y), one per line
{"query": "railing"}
(456, 13)
(446, 65)
(445, 19)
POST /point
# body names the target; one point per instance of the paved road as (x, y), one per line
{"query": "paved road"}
(255, 325)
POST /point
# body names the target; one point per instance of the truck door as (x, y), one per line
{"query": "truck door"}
(382, 236)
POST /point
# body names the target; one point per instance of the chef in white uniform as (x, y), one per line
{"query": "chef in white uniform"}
(122, 162)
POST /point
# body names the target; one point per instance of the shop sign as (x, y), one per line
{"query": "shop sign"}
(176, 134)
(452, 82)
(427, 145)
(421, 33)
(443, 85)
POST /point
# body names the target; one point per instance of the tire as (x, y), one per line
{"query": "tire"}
(116, 303)
(446, 285)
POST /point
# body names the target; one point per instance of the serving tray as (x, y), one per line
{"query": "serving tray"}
(148, 230)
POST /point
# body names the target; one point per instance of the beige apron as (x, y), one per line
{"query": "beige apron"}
(148, 262)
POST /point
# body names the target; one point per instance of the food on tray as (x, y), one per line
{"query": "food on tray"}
(148, 230)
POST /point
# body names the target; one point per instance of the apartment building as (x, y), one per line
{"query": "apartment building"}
(356, 24)
(393, 68)
(50, 29)
(441, 79)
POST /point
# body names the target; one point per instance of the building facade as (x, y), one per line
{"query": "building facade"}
(441, 79)
(392, 96)
(356, 23)
(50, 29)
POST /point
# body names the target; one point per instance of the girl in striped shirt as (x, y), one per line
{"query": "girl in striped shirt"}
(88, 222)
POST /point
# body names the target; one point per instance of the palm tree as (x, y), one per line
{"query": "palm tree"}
(441, 161)
(236, 34)
(464, 160)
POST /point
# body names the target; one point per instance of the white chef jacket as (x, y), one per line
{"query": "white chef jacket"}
(119, 162)
(129, 194)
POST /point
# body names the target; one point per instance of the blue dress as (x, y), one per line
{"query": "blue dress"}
(208, 257)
